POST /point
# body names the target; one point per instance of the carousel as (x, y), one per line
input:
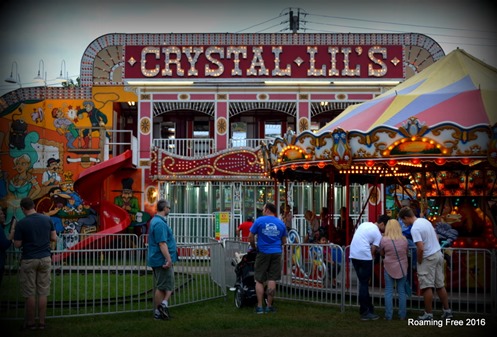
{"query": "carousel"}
(431, 140)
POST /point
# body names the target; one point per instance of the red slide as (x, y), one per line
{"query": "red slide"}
(89, 185)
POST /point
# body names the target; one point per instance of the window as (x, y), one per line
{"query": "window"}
(239, 134)
(272, 129)
(201, 129)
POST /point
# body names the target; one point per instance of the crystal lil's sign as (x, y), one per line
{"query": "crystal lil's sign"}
(264, 62)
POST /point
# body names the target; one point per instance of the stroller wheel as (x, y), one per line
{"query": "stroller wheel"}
(238, 298)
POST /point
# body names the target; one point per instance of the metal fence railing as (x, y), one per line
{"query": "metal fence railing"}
(190, 147)
(110, 275)
(192, 227)
(469, 276)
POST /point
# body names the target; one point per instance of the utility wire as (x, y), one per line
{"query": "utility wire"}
(279, 24)
(397, 31)
(404, 24)
(260, 24)
(431, 34)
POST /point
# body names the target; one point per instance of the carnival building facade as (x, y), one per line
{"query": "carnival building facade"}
(189, 117)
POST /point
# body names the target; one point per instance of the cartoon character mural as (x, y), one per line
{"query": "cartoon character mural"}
(97, 119)
(64, 126)
(23, 183)
(4, 176)
(41, 155)
(70, 214)
(129, 202)
(34, 149)
(51, 176)
(126, 199)
(18, 132)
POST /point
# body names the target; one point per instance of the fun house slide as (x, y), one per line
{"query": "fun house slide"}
(112, 218)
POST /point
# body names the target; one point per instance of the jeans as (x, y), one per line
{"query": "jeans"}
(364, 269)
(389, 282)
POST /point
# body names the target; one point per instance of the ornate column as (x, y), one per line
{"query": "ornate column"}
(303, 121)
(145, 113)
(222, 122)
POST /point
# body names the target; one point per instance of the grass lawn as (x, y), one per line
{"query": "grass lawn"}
(220, 317)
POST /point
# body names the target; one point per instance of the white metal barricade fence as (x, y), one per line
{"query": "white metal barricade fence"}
(109, 274)
(470, 278)
(192, 227)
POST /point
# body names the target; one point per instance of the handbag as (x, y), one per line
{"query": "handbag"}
(407, 286)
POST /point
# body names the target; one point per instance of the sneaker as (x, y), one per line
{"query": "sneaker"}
(164, 311)
(270, 310)
(369, 317)
(447, 314)
(157, 316)
(259, 310)
(426, 317)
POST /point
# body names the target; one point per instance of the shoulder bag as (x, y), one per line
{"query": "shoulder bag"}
(407, 286)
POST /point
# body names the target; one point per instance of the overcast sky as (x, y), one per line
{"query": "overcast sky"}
(58, 31)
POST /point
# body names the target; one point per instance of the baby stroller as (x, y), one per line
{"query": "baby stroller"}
(245, 284)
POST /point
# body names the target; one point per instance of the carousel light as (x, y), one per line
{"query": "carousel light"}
(440, 161)
(416, 161)
(392, 162)
(321, 164)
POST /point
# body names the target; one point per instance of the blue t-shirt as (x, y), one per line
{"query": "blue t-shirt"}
(269, 230)
(160, 231)
(406, 231)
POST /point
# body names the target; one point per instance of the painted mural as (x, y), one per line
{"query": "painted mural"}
(44, 147)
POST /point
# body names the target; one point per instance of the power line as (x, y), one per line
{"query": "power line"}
(279, 24)
(404, 24)
(398, 31)
(431, 34)
(279, 16)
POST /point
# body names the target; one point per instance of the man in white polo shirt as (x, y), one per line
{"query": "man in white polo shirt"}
(363, 248)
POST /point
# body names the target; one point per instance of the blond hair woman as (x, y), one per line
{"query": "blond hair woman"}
(393, 247)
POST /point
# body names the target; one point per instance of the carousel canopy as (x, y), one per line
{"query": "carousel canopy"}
(442, 119)
(458, 88)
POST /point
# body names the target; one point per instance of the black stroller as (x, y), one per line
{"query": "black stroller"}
(245, 284)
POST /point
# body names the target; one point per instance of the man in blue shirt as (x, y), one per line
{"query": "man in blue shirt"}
(161, 256)
(271, 236)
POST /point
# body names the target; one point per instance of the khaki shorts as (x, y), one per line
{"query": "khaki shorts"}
(35, 277)
(164, 278)
(267, 267)
(431, 271)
